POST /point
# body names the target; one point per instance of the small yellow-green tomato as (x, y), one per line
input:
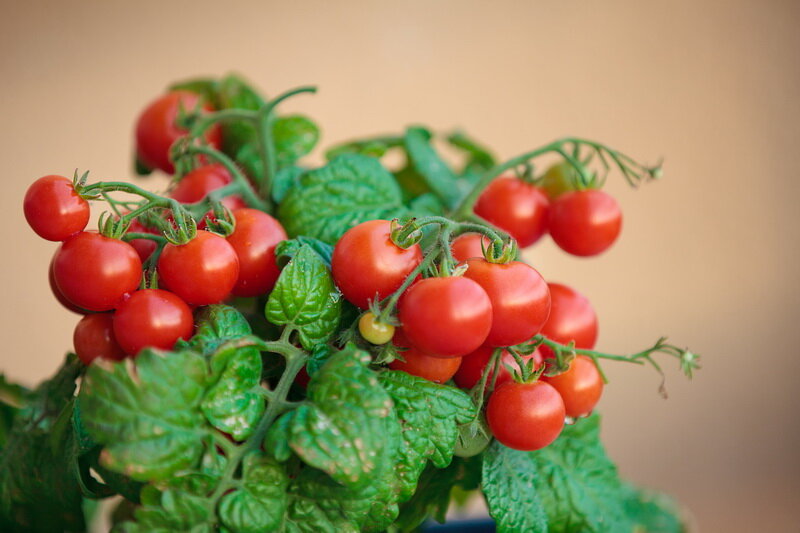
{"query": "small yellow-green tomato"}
(374, 331)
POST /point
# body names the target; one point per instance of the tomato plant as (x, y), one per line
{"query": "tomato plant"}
(572, 319)
(585, 223)
(94, 272)
(473, 366)
(525, 416)
(373, 330)
(94, 338)
(54, 209)
(468, 246)
(516, 207)
(254, 241)
(418, 363)
(580, 386)
(203, 271)
(152, 318)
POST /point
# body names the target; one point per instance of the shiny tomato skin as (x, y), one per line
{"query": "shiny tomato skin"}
(94, 338)
(152, 318)
(53, 209)
(572, 318)
(156, 129)
(202, 271)
(468, 246)
(525, 416)
(143, 247)
(254, 241)
(580, 386)
(520, 299)
(516, 207)
(59, 295)
(198, 183)
(585, 223)
(418, 363)
(445, 317)
(472, 365)
(95, 272)
(366, 263)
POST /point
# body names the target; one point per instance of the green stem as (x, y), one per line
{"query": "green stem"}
(240, 184)
(391, 303)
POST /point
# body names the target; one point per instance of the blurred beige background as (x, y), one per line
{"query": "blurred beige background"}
(708, 255)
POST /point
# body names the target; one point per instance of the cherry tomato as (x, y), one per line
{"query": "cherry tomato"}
(558, 179)
(417, 363)
(446, 317)
(94, 272)
(525, 416)
(94, 337)
(366, 264)
(143, 247)
(520, 299)
(54, 210)
(472, 365)
(59, 295)
(468, 245)
(254, 241)
(572, 318)
(580, 386)
(516, 207)
(585, 223)
(203, 271)
(156, 129)
(196, 185)
(152, 318)
(374, 331)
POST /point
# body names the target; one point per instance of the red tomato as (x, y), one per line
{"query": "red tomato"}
(202, 271)
(94, 337)
(254, 241)
(525, 416)
(54, 210)
(156, 129)
(417, 363)
(516, 207)
(520, 299)
(572, 318)
(143, 247)
(446, 317)
(472, 365)
(152, 318)
(580, 386)
(59, 295)
(367, 265)
(468, 245)
(94, 272)
(197, 184)
(585, 223)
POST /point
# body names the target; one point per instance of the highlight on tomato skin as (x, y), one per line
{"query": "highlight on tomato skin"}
(585, 223)
(526, 416)
(581, 386)
(54, 209)
(152, 318)
(254, 240)
(469, 246)
(94, 338)
(519, 208)
(572, 319)
(418, 363)
(473, 365)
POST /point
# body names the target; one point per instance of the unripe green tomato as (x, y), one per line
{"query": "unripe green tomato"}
(558, 179)
(374, 331)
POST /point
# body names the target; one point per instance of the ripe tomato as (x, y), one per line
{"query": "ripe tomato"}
(94, 272)
(472, 365)
(53, 209)
(417, 363)
(59, 295)
(94, 337)
(254, 241)
(203, 271)
(520, 299)
(373, 331)
(468, 245)
(152, 318)
(196, 185)
(580, 386)
(143, 247)
(446, 317)
(585, 223)
(367, 265)
(572, 318)
(516, 207)
(525, 416)
(156, 129)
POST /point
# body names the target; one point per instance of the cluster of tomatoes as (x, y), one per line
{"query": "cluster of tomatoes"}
(451, 325)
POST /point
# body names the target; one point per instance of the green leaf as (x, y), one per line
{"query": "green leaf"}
(294, 136)
(233, 403)
(479, 158)
(340, 430)
(652, 512)
(373, 147)
(508, 485)
(437, 175)
(170, 510)
(286, 250)
(319, 504)
(260, 502)
(306, 299)
(217, 325)
(429, 415)
(578, 483)
(146, 412)
(349, 190)
(284, 180)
